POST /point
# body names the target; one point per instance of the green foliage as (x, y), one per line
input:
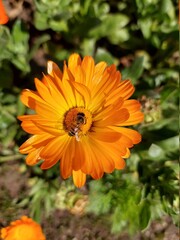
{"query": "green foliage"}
(123, 199)
(14, 46)
(41, 196)
(141, 38)
(134, 71)
(10, 107)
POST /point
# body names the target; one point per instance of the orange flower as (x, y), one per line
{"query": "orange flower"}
(80, 118)
(3, 16)
(23, 229)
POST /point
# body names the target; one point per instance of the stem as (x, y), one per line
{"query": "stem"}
(10, 158)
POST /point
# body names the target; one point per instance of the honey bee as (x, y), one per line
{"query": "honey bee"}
(76, 125)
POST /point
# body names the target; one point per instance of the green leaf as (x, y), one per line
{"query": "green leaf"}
(60, 25)
(117, 224)
(104, 55)
(110, 26)
(40, 40)
(6, 76)
(134, 71)
(144, 214)
(119, 36)
(145, 26)
(40, 21)
(21, 108)
(85, 4)
(167, 7)
(88, 46)
(170, 144)
(155, 151)
(5, 38)
(8, 139)
(19, 33)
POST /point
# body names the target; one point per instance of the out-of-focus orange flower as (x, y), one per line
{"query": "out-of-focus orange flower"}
(23, 229)
(80, 118)
(3, 16)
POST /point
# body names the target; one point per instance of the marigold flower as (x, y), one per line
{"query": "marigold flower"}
(80, 118)
(3, 16)
(23, 229)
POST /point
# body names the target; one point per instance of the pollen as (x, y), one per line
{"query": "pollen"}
(77, 122)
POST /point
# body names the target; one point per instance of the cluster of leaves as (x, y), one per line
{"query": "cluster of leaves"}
(141, 38)
(146, 190)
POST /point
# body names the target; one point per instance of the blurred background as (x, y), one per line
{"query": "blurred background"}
(141, 38)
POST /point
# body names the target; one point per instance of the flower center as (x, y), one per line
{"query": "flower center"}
(77, 122)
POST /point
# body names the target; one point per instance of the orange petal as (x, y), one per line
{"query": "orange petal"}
(88, 67)
(79, 156)
(119, 163)
(69, 93)
(79, 178)
(29, 98)
(111, 155)
(57, 92)
(97, 169)
(36, 141)
(45, 94)
(126, 142)
(105, 135)
(80, 88)
(134, 118)
(126, 89)
(107, 82)
(33, 157)
(98, 72)
(74, 61)
(67, 75)
(118, 118)
(67, 159)
(3, 16)
(132, 105)
(109, 109)
(48, 163)
(54, 148)
(53, 68)
(54, 128)
(48, 112)
(128, 153)
(130, 133)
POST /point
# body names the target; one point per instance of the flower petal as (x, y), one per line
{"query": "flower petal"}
(134, 118)
(127, 89)
(67, 159)
(53, 68)
(116, 118)
(33, 157)
(130, 133)
(105, 135)
(79, 156)
(88, 67)
(73, 62)
(79, 178)
(29, 98)
(55, 147)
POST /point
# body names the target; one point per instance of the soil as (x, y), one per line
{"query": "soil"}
(63, 224)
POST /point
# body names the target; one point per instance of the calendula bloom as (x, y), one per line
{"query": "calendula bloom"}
(80, 118)
(3, 16)
(23, 229)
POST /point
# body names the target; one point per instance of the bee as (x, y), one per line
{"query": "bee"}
(76, 125)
